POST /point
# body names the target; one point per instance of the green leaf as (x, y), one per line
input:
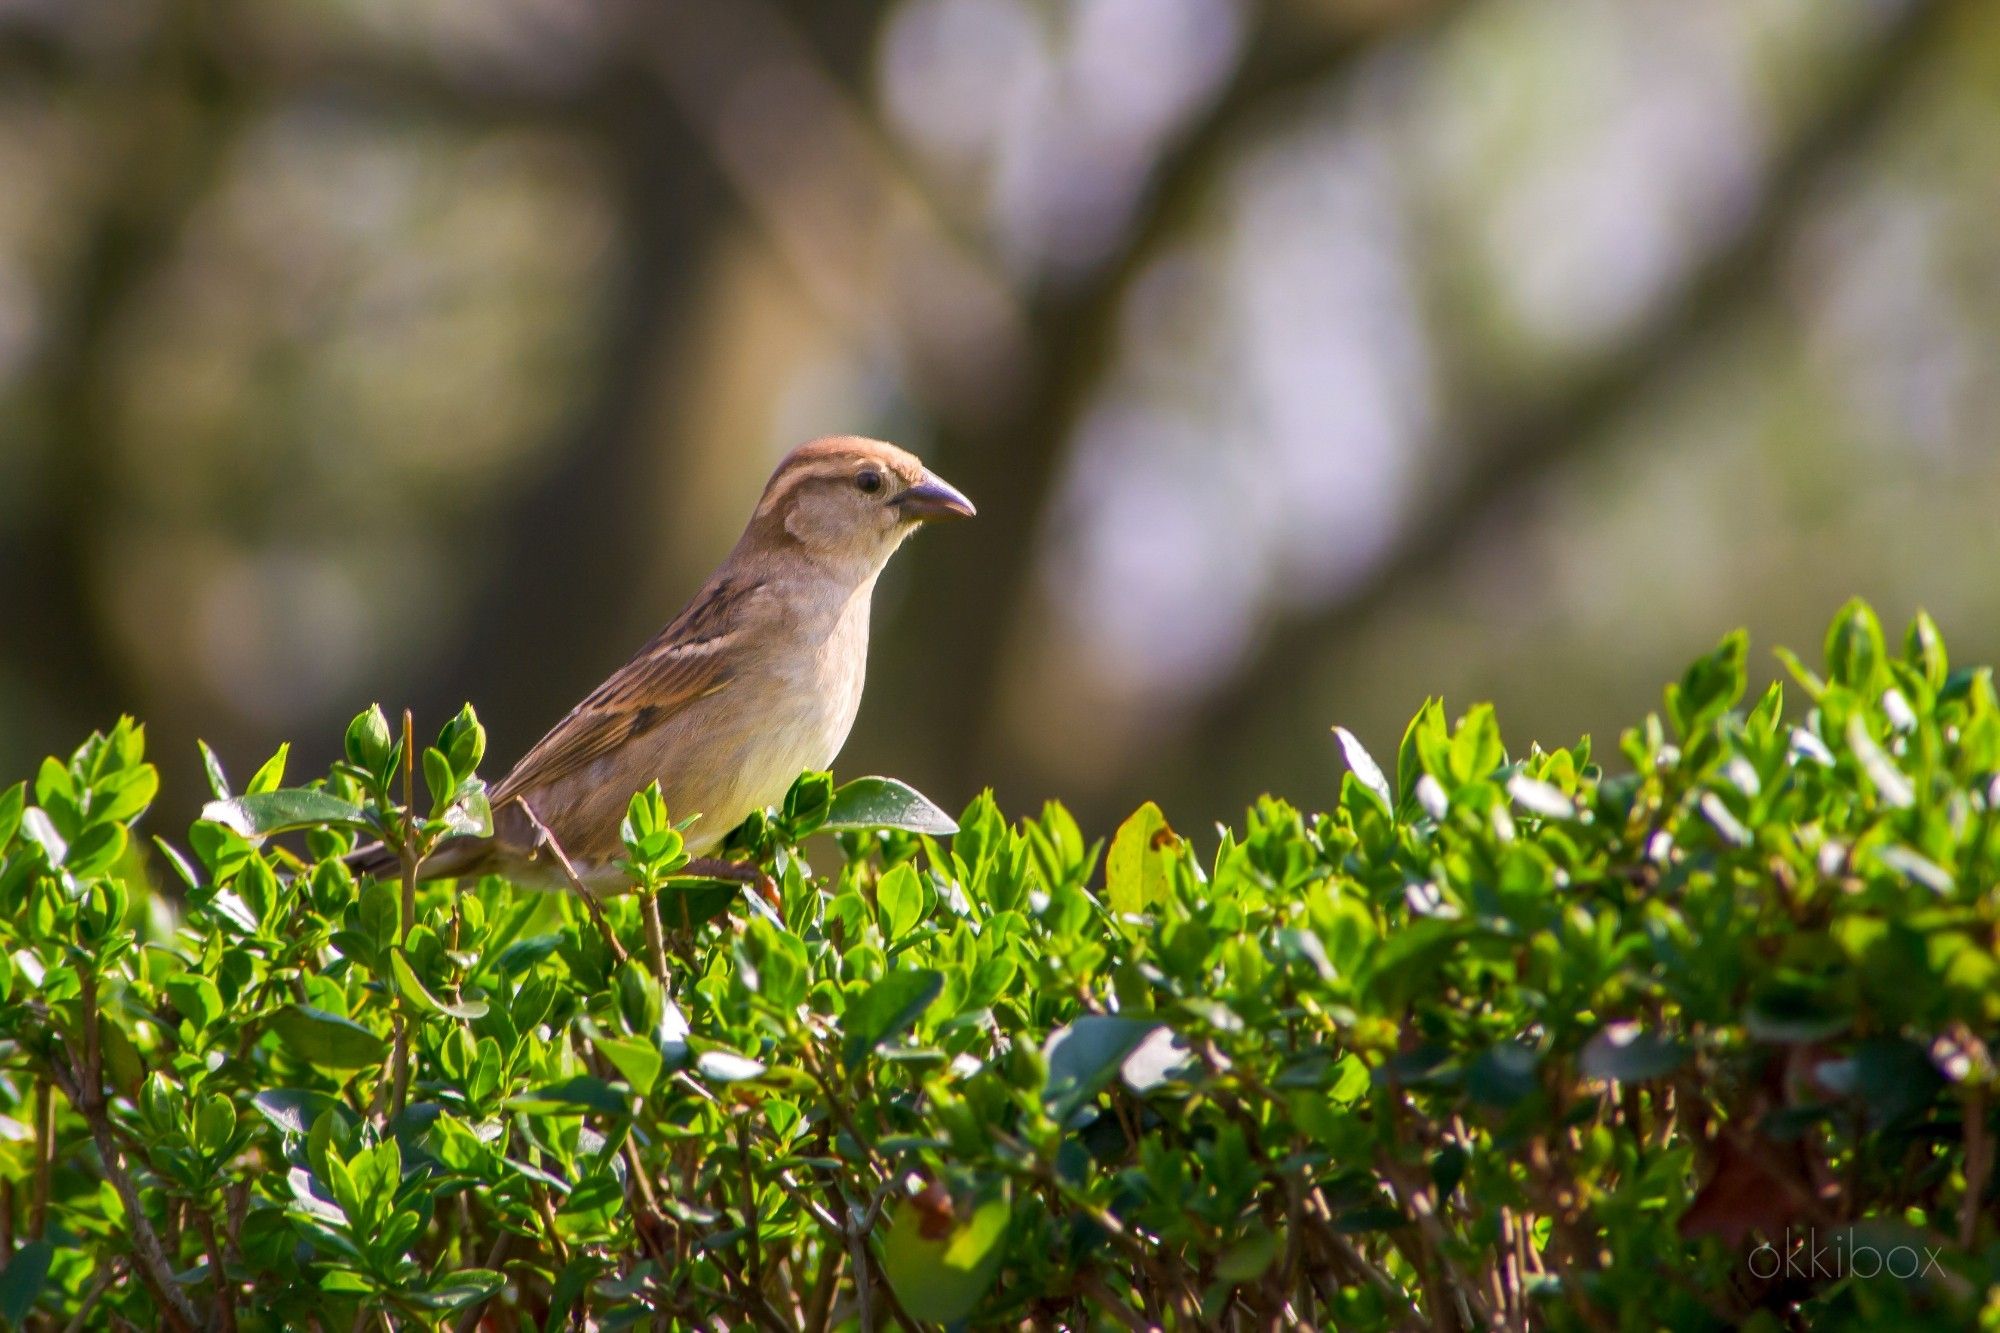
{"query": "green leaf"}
(218, 781)
(899, 898)
(1540, 798)
(266, 813)
(1475, 747)
(580, 1093)
(38, 828)
(1084, 1056)
(95, 850)
(125, 797)
(637, 1058)
(570, 1284)
(368, 743)
(1424, 749)
(1364, 767)
(523, 955)
(1894, 1078)
(1784, 1011)
(1892, 786)
(463, 741)
(459, 1287)
(22, 1280)
(886, 1010)
(808, 803)
(470, 814)
(728, 1067)
(640, 999)
(941, 1267)
(293, 1110)
(199, 1002)
(414, 992)
(271, 776)
(13, 801)
(1136, 872)
(439, 780)
(1710, 688)
(873, 803)
(1247, 1259)
(1854, 648)
(1503, 1074)
(215, 1125)
(327, 1041)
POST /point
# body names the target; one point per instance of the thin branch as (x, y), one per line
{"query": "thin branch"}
(1978, 1166)
(469, 1321)
(115, 1271)
(87, 1096)
(407, 858)
(45, 1157)
(548, 839)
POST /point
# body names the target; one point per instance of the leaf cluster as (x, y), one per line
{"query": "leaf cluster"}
(1491, 1040)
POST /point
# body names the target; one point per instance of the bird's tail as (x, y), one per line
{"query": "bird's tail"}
(457, 857)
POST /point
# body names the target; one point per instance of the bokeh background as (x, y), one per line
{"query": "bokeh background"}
(1305, 357)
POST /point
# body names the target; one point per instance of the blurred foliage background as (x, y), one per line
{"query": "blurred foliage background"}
(1305, 357)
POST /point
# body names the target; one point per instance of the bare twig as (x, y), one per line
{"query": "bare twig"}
(86, 1094)
(656, 936)
(45, 1156)
(469, 1321)
(406, 855)
(1978, 1166)
(225, 1299)
(1091, 1286)
(590, 902)
(819, 1306)
(113, 1272)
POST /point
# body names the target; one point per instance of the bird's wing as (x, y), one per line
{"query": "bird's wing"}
(688, 660)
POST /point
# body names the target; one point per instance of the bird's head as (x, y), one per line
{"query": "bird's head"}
(850, 502)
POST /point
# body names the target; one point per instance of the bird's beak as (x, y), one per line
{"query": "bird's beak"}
(934, 498)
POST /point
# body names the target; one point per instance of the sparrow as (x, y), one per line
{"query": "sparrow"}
(757, 680)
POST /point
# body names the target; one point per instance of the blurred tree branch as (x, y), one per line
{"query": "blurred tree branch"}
(1510, 459)
(974, 590)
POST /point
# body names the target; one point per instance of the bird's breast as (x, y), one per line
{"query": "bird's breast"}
(795, 716)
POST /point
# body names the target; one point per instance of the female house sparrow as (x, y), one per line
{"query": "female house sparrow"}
(757, 680)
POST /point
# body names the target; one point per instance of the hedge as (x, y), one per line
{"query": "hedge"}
(1693, 1036)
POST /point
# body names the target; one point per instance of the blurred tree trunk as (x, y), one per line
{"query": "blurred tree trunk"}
(576, 535)
(164, 114)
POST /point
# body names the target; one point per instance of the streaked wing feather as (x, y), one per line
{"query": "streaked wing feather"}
(686, 661)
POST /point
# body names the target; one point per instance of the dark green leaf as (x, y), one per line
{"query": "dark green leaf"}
(327, 1041)
(22, 1280)
(1084, 1056)
(416, 994)
(872, 803)
(886, 1010)
(457, 1288)
(580, 1093)
(293, 1110)
(1627, 1053)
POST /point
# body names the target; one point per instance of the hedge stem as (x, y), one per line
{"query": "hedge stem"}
(87, 1096)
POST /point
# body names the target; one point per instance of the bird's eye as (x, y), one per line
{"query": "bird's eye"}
(870, 481)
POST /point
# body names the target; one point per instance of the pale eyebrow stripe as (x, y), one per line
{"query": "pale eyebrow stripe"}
(796, 477)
